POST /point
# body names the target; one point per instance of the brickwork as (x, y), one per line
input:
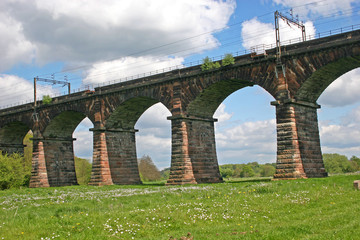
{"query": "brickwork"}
(202, 150)
(192, 96)
(309, 140)
(288, 163)
(60, 163)
(100, 174)
(181, 170)
(12, 148)
(299, 152)
(123, 163)
(39, 177)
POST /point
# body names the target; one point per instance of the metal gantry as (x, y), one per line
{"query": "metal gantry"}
(288, 20)
(53, 81)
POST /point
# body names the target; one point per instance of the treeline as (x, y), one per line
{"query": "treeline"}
(252, 169)
(336, 163)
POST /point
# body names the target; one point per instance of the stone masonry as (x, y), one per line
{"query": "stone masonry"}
(295, 81)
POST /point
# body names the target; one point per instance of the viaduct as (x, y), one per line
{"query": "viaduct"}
(192, 96)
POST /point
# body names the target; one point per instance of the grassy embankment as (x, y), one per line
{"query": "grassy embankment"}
(300, 209)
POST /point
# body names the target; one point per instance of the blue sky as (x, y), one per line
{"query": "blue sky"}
(91, 42)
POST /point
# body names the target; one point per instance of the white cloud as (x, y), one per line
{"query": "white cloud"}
(158, 148)
(128, 67)
(83, 146)
(154, 136)
(221, 114)
(262, 35)
(342, 138)
(90, 31)
(14, 47)
(248, 142)
(16, 90)
(343, 91)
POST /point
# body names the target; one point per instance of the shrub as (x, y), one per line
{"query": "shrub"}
(46, 99)
(226, 172)
(228, 60)
(207, 64)
(83, 170)
(13, 172)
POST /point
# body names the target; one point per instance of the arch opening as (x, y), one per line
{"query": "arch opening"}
(121, 142)
(339, 121)
(58, 145)
(316, 84)
(245, 134)
(153, 143)
(83, 151)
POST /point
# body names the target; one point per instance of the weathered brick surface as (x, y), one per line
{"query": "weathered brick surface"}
(123, 163)
(39, 177)
(12, 148)
(181, 170)
(202, 150)
(193, 152)
(299, 152)
(60, 163)
(100, 174)
(305, 71)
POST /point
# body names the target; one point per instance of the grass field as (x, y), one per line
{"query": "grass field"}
(326, 208)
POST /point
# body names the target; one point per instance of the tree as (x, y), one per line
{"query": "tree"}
(28, 150)
(83, 170)
(46, 99)
(355, 162)
(247, 171)
(13, 174)
(336, 163)
(208, 64)
(148, 170)
(267, 170)
(226, 172)
(228, 60)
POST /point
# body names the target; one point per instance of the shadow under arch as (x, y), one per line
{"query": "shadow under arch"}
(121, 142)
(12, 136)
(126, 114)
(209, 99)
(59, 149)
(315, 85)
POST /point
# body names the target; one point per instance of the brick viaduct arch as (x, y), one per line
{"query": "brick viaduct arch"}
(192, 96)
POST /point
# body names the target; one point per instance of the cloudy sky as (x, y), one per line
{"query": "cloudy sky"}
(90, 42)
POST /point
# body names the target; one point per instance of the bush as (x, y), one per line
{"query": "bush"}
(336, 163)
(228, 60)
(226, 172)
(46, 99)
(207, 64)
(267, 170)
(13, 172)
(83, 170)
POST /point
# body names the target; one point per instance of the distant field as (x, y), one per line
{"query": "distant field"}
(300, 209)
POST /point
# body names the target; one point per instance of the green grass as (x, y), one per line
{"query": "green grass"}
(326, 208)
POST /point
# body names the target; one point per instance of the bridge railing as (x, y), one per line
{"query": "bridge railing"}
(258, 49)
